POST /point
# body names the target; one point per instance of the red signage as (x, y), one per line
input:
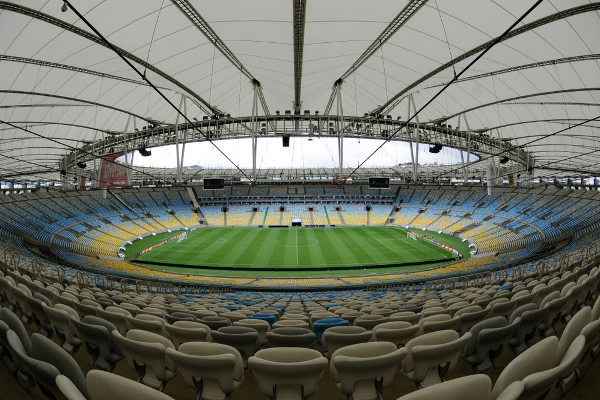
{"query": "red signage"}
(112, 174)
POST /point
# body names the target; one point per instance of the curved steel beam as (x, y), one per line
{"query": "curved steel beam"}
(56, 96)
(526, 96)
(302, 126)
(4, 5)
(392, 102)
(43, 105)
(403, 16)
(199, 22)
(40, 123)
(299, 19)
(73, 68)
(532, 121)
(564, 60)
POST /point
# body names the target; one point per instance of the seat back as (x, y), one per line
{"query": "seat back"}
(573, 329)
(219, 367)
(472, 387)
(187, 331)
(429, 357)
(45, 350)
(538, 383)
(288, 373)
(337, 337)
(363, 370)
(541, 356)
(397, 332)
(106, 386)
(145, 351)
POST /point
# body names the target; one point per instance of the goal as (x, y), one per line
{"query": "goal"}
(411, 235)
(182, 237)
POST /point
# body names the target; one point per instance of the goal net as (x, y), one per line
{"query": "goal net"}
(411, 235)
(182, 237)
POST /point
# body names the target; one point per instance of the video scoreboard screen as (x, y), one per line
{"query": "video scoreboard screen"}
(379, 183)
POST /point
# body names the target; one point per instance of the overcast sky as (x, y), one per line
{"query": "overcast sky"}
(302, 153)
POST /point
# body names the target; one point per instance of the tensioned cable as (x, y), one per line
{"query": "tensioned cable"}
(496, 41)
(536, 140)
(72, 147)
(161, 94)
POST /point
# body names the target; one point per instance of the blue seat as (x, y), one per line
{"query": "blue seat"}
(322, 324)
(270, 318)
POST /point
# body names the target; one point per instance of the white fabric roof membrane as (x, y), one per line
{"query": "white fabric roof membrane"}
(63, 86)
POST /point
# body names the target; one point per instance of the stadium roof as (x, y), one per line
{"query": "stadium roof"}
(63, 86)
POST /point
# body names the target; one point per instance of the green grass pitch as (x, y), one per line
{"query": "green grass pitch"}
(291, 248)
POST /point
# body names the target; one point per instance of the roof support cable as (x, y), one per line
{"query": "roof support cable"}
(160, 93)
(71, 147)
(465, 69)
(445, 35)
(153, 33)
(542, 137)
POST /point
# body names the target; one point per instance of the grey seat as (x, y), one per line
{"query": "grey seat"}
(432, 355)
(531, 317)
(96, 334)
(246, 340)
(215, 370)
(60, 317)
(215, 322)
(369, 321)
(291, 337)
(541, 356)
(472, 387)
(288, 374)
(337, 337)
(397, 332)
(106, 386)
(469, 316)
(188, 331)
(487, 341)
(116, 316)
(38, 315)
(145, 352)
(539, 383)
(51, 360)
(20, 357)
(363, 370)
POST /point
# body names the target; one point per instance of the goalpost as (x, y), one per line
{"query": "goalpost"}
(182, 237)
(411, 235)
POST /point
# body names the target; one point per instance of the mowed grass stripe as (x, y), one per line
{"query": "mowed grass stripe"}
(360, 250)
(384, 250)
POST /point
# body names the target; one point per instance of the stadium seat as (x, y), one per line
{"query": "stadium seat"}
(246, 340)
(290, 373)
(145, 352)
(432, 355)
(321, 325)
(106, 386)
(397, 332)
(260, 325)
(363, 370)
(48, 360)
(487, 341)
(337, 337)
(96, 335)
(291, 337)
(472, 387)
(542, 356)
(60, 317)
(214, 370)
(290, 323)
(187, 331)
